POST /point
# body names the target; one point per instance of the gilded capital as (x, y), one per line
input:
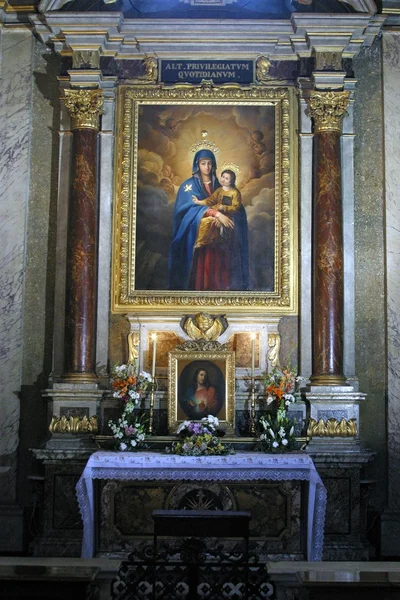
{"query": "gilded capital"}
(85, 107)
(328, 110)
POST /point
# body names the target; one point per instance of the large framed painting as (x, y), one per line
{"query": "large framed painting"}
(201, 384)
(205, 199)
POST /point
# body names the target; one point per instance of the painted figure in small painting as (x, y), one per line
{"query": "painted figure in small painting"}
(200, 398)
(209, 250)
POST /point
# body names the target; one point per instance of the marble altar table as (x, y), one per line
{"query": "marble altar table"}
(246, 466)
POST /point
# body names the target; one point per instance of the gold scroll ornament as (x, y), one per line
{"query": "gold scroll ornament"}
(328, 110)
(133, 345)
(332, 428)
(73, 425)
(274, 345)
(85, 107)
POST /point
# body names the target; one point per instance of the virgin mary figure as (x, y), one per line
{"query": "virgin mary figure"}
(221, 264)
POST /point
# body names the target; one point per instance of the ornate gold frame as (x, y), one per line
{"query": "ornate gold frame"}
(175, 360)
(283, 299)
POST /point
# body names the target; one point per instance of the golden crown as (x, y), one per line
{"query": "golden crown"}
(232, 166)
(204, 144)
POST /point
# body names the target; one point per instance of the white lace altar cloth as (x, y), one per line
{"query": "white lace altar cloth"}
(246, 466)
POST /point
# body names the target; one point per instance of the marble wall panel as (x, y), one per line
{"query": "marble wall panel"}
(15, 121)
(41, 227)
(391, 92)
(370, 355)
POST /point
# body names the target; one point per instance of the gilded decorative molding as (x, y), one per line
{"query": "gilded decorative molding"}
(201, 346)
(133, 346)
(203, 326)
(85, 107)
(85, 58)
(332, 428)
(274, 346)
(73, 425)
(124, 293)
(328, 110)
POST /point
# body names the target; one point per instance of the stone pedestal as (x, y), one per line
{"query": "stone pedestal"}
(62, 524)
(334, 420)
(339, 456)
(341, 473)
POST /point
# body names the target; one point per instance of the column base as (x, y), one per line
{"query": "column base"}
(328, 380)
(79, 377)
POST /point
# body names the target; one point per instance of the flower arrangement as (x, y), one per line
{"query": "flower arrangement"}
(200, 438)
(281, 385)
(129, 386)
(277, 429)
(129, 431)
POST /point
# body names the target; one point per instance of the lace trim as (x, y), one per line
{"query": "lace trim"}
(248, 468)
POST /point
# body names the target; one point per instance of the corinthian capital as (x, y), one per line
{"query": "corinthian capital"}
(328, 109)
(85, 107)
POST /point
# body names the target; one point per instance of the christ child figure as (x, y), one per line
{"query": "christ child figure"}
(226, 199)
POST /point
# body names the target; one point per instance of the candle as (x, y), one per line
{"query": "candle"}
(253, 353)
(153, 370)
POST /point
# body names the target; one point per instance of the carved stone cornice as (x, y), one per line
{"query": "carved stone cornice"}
(85, 107)
(111, 34)
(328, 109)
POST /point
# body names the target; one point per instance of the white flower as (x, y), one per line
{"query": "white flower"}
(282, 432)
(270, 400)
(183, 426)
(289, 397)
(275, 444)
(285, 442)
(133, 443)
(271, 433)
(116, 395)
(291, 432)
(123, 446)
(145, 375)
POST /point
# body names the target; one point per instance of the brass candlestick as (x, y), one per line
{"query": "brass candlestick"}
(151, 414)
(253, 407)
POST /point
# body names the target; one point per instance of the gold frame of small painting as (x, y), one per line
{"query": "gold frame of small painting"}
(201, 383)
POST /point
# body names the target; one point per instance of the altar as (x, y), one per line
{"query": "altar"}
(304, 506)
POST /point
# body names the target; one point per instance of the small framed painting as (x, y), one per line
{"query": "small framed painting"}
(201, 384)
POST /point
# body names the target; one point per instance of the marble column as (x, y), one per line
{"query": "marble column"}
(85, 106)
(327, 110)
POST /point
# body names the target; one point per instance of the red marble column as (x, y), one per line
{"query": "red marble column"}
(81, 278)
(328, 110)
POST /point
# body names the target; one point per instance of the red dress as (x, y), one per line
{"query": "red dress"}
(211, 264)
